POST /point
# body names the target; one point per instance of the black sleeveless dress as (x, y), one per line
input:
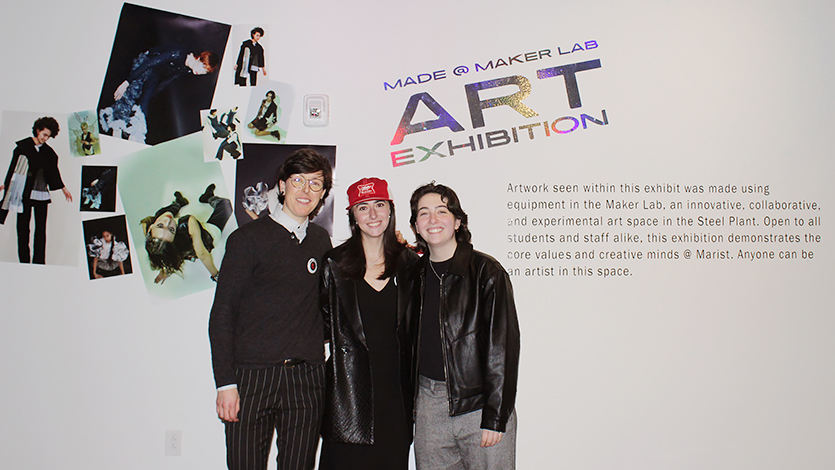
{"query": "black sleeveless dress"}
(390, 450)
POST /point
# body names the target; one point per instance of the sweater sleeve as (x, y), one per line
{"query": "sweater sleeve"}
(234, 274)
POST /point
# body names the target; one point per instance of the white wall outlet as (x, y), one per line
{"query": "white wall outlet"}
(174, 442)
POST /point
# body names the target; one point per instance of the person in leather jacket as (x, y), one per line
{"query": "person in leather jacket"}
(466, 340)
(367, 421)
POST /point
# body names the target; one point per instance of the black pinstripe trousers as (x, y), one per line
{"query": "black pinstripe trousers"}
(288, 400)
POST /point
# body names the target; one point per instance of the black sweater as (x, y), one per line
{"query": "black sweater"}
(266, 306)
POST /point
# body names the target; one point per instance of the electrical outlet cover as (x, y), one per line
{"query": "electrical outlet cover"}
(173, 442)
(316, 110)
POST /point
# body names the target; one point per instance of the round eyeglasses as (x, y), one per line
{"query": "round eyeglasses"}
(298, 181)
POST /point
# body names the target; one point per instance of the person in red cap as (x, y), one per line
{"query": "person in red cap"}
(367, 421)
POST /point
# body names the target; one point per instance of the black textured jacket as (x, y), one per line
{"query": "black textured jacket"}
(349, 403)
(479, 335)
(45, 160)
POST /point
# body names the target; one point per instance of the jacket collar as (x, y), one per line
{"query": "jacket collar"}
(347, 289)
(460, 259)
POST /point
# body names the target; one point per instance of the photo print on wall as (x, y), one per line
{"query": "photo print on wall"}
(255, 182)
(98, 188)
(39, 224)
(177, 208)
(83, 133)
(161, 74)
(108, 252)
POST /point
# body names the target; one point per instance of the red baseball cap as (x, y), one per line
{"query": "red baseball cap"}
(368, 189)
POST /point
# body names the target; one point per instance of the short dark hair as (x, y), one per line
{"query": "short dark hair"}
(45, 122)
(462, 235)
(271, 93)
(256, 29)
(307, 161)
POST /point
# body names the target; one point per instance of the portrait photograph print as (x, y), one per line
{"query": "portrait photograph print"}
(256, 194)
(221, 138)
(162, 72)
(98, 188)
(39, 216)
(269, 112)
(83, 133)
(177, 208)
(108, 250)
(248, 55)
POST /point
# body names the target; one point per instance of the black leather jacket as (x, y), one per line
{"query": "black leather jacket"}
(349, 412)
(479, 334)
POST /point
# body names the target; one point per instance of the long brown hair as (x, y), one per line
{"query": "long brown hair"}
(351, 258)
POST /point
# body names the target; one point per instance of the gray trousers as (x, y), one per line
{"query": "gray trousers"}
(444, 442)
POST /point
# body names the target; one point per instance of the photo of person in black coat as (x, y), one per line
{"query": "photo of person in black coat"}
(33, 173)
(250, 59)
(267, 117)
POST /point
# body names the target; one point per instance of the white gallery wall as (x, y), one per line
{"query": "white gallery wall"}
(655, 175)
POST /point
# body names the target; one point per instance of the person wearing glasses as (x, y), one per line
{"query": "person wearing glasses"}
(266, 329)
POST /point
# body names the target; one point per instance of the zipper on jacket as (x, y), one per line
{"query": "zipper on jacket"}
(443, 339)
(442, 321)
(416, 362)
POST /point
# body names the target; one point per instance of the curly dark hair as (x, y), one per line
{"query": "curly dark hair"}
(258, 30)
(45, 122)
(462, 235)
